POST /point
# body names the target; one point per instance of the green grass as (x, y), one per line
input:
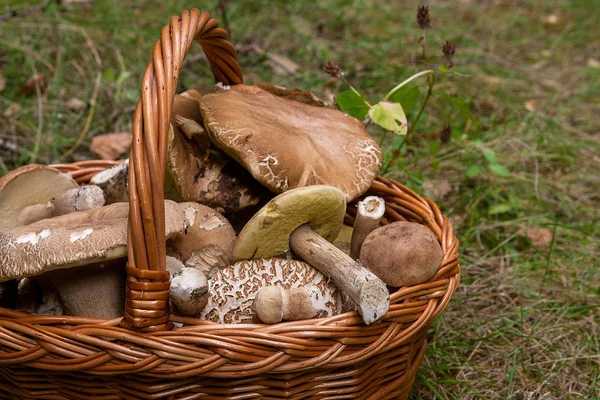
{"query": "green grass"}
(524, 321)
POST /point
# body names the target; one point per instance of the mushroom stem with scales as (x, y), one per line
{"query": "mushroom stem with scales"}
(368, 214)
(306, 220)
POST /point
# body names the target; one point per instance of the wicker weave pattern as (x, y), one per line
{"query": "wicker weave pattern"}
(331, 358)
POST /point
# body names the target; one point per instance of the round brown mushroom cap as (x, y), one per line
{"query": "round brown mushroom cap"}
(199, 171)
(233, 289)
(267, 233)
(402, 253)
(29, 185)
(286, 144)
(208, 237)
(74, 239)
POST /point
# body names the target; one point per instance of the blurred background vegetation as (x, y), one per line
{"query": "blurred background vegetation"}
(508, 146)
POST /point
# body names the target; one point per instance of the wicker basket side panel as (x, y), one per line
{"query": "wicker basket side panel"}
(389, 375)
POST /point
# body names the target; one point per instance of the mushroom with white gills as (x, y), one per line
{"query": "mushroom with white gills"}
(368, 214)
(49, 249)
(199, 171)
(31, 185)
(402, 253)
(207, 242)
(286, 144)
(113, 182)
(306, 220)
(233, 289)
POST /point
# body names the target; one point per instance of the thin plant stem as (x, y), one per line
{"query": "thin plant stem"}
(355, 91)
(401, 84)
(411, 128)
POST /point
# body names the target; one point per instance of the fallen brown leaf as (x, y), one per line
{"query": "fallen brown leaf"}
(36, 80)
(539, 237)
(551, 19)
(436, 189)
(74, 104)
(491, 80)
(593, 63)
(531, 105)
(111, 145)
(2, 82)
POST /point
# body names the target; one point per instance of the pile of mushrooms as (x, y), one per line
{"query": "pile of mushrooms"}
(257, 185)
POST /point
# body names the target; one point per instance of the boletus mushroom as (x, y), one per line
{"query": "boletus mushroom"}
(197, 170)
(402, 253)
(306, 220)
(75, 253)
(234, 288)
(286, 144)
(207, 242)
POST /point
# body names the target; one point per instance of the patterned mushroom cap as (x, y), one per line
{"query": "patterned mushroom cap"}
(233, 289)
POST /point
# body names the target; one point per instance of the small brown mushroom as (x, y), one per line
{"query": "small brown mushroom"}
(87, 238)
(233, 289)
(286, 144)
(207, 242)
(306, 220)
(27, 186)
(402, 253)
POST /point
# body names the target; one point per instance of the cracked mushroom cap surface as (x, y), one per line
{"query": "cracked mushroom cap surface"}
(233, 289)
(27, 186)
(74, 239)
(199, 171)
(286, 144)
(268, 231)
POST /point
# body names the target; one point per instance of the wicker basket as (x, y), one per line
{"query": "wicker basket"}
(144, 356)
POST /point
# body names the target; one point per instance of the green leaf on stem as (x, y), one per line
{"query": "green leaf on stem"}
(499, 170)
(352, 104)
(474, 170)
(389, 116)
(407, 96)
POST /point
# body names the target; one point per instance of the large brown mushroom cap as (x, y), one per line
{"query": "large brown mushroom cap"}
(233, 289)
(74, 239)
(402, 253)
(27, 186)
(197, 170)
(286, 144)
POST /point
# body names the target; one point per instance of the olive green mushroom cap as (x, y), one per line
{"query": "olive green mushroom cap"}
(74, 239)
(267, 233)
(286, 144)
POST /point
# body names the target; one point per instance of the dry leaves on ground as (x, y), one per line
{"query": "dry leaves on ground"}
(36, 80)
(540, 237)
(74, 104)
(436, 189)
(2, 82)
(111, 145)
(531, 105)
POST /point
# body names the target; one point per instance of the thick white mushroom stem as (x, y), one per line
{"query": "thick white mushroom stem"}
(113, 182)
(189, 291)
(274, 304)
(81, 199)
(368, 214)
(364, 287)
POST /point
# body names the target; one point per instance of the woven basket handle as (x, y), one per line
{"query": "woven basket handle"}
(147, 294)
